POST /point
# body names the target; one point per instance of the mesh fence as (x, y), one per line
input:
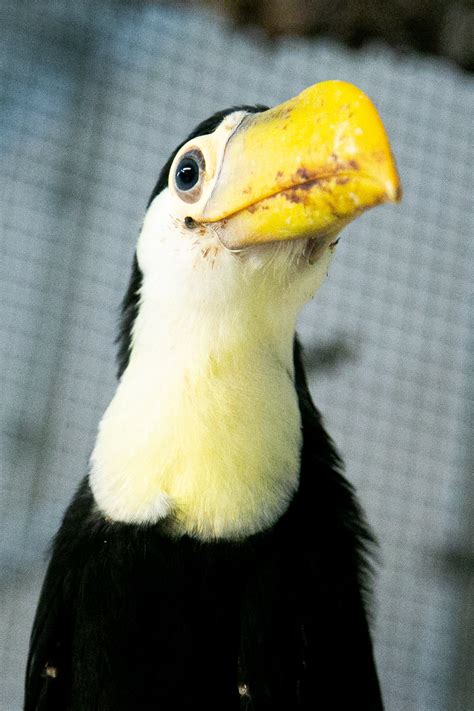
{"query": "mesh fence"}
(94, 98)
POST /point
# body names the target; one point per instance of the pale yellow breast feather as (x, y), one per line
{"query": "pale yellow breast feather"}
(216, 451)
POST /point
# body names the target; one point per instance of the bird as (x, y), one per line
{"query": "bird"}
(215, 555)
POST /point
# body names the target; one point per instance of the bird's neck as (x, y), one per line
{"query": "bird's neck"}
(204, 429)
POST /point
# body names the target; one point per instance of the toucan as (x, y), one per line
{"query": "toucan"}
(215, 556)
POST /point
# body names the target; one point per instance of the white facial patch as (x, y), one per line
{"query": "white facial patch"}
(212, 148)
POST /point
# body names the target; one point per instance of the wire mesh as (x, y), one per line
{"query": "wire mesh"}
(94, 97)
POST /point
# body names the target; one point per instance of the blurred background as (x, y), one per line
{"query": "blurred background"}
(94, 96)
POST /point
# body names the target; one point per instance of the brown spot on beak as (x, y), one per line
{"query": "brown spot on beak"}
(259, 205)
(298, 194)
(293, 195)
(304, 174)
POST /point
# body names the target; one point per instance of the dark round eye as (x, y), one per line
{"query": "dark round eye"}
(187, 173)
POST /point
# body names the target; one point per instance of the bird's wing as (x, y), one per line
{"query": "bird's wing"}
(48, 671)
(48, 668)
(337, 545)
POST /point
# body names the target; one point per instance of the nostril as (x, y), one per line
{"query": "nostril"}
(190, 223)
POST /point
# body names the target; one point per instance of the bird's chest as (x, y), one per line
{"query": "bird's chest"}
(154, 616)
(217, 455)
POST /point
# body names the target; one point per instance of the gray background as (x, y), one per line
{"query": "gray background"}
(94, 96)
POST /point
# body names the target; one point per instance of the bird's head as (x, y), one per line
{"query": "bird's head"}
(244, 219)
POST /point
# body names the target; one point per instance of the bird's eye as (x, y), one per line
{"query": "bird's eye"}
(187, 173)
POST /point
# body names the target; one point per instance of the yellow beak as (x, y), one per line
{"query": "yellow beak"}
(302, 169)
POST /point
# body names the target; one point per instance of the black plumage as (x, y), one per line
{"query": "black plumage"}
(130, 618)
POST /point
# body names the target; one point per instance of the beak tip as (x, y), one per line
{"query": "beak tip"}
(394, 191)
